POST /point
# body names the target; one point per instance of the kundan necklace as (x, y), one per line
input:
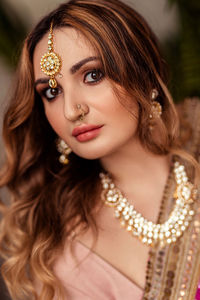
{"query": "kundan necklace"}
(148, 232)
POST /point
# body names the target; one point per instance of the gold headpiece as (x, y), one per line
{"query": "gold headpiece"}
(51, 62)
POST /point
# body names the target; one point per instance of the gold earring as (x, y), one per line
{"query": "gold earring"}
(156, 108)
(51, 62)
(65, 150)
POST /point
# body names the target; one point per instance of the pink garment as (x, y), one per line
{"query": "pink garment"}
(93, 278)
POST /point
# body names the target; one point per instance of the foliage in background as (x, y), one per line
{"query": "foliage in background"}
(13, 30)
(182, 51)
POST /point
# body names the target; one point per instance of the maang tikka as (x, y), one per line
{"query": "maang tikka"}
(51, 62)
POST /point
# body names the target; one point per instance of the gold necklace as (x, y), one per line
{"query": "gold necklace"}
(148, 232)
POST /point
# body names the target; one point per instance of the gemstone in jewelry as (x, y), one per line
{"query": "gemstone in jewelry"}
(52, 60)
(148, 232)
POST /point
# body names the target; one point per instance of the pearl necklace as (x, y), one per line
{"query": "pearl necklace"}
(148, 232)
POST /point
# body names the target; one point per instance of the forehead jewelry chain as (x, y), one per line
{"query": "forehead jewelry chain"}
(51, 62)
(148, 232)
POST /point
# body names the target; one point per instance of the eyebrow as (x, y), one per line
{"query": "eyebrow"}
(73, 69)
(78, 65)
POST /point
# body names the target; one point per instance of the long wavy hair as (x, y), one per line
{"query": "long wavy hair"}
(48, 200)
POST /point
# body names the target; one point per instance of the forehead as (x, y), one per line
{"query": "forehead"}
(68, 43)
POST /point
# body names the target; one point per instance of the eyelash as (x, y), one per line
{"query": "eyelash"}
(97, 71)
(45, 90)
(58, 89)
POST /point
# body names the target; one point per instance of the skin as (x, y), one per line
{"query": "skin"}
(117, 146)
(97, 99)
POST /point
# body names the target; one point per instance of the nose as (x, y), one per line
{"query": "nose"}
(74, 108)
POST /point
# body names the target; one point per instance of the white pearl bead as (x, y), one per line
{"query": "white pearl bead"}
(133, 221)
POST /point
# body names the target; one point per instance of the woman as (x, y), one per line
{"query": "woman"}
(92, 139)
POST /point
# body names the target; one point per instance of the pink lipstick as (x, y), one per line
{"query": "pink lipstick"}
(85, 133)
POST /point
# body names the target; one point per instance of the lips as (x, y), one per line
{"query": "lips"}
(86, 133)
(84, 129)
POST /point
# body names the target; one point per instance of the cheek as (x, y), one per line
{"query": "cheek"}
(111, 107)
(55, 117)
(125, 124)
(121, 117)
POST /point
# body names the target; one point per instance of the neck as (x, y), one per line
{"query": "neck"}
(135, 170)
(133, 159)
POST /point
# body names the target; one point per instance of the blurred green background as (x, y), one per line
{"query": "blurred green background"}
(181, 49)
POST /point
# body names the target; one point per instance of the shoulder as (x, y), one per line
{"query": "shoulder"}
(189, 118)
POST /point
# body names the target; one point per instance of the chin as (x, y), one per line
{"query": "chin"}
(92, 153)
(89, 156)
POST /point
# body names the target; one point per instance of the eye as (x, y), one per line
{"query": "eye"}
(93, 76)
(51, 93)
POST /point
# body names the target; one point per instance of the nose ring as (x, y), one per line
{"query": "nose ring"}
(81, 117)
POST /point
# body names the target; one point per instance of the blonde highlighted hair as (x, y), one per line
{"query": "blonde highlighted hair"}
(48, 201)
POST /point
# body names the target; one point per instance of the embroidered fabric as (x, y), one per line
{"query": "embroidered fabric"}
(173, 272)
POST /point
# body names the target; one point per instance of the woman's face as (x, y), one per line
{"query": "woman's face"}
(107, 125)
